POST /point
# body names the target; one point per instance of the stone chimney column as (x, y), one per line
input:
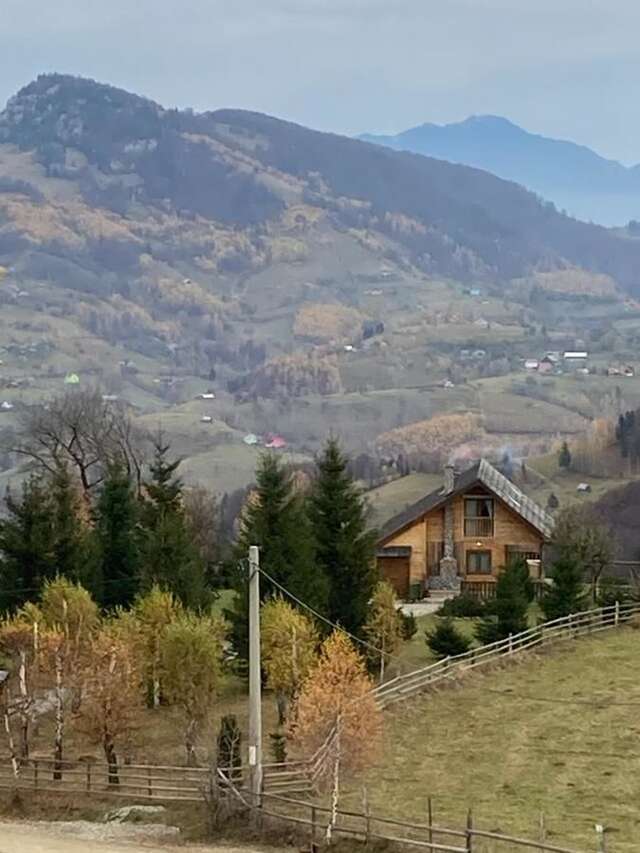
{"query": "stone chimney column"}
(449, 478)
(448, 564)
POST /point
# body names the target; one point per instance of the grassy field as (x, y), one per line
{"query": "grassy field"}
(557, 734)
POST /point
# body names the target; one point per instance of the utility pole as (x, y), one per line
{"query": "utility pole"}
(255, 685)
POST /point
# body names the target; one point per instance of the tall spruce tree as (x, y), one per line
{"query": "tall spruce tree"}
(169, 556)
(567, 593)
(117, 541)
(507, 614)
(345, 547)
(275, 520)
(72, 552)
(27, 544)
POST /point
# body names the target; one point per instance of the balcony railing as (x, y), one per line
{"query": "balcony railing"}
(480, 527)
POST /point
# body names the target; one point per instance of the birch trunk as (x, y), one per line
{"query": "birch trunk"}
(335, 791)
(59, 733)
(12, 747)
(189, 742)
(24, 706)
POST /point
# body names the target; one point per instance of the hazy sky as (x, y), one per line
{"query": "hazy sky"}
(566, 68)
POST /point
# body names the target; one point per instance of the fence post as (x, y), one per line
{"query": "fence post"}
(88, 776)
(543, 828)
(367, 815)
(602, 842)
(469, 832)
(510, 644)
(430, 815)
(149, 782)
(313, 829)
(35, 773)
(617, 614)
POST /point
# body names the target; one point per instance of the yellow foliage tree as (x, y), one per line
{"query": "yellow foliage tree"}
(191, 654)
(383, 627)
(289, 643)
(154, 612)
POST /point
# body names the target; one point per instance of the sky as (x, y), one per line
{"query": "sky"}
(565, 68)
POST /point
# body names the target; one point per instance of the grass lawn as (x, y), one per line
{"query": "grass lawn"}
(558, 733)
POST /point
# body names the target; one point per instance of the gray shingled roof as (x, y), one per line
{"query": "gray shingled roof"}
(484, 473)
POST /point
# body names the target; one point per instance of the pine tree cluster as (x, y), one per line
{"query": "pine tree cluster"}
(118, 545)
(313, 541)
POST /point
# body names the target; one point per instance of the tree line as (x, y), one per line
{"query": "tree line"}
(104, 506)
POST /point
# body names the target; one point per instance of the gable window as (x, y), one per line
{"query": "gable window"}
(478, 517)
(478, 562)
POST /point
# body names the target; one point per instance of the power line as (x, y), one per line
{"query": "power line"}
(325, 620)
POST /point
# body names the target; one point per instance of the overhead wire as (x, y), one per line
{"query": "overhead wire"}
(324, 619)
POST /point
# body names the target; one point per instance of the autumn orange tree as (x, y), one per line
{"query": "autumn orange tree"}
(111, 681)
(336, 697)
(335, 710)
(289, 643)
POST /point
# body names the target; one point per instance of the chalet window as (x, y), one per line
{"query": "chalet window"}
(478, 562)
(478, 517)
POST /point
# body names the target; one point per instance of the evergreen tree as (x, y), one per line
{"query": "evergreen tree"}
(446, 640)
(169, 556)
(508, 613)
(553, 503)
(345, 548)
(564, 457)
(27, 544)
(72, 552)
(117, 540)
(275, 520)
(566, 594)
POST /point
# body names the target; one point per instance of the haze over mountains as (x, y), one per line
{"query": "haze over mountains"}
(300, 279)
(573, 176)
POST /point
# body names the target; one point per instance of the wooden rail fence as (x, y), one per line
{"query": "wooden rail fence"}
(366, 827)
(281, 781)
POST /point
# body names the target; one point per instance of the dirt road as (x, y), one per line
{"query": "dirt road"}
(43, 837)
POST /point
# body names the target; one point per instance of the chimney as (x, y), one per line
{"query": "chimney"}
(449, 478)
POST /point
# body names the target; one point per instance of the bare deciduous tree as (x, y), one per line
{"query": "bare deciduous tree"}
(84, 431)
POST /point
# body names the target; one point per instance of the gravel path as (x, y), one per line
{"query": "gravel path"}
(85, 837)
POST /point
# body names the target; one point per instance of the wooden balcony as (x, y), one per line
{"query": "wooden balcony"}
(482, 528)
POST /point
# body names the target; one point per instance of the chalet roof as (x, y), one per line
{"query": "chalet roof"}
(488, 476)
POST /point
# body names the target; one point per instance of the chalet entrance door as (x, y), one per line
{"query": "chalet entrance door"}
(395, 570)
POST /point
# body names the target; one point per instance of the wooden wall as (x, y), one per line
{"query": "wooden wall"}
(509, 529)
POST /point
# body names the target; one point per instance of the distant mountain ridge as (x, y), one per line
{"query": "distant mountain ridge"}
(174, 228)
(574, 177)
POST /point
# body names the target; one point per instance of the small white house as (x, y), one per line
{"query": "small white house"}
(576, 355)
(206, 419)
(531, 364)
(6, 406)
(208, 395)
(583, 488)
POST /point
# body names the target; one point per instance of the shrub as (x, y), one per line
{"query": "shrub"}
(408, 625)
(611, 590)
(446, 640)
(463, 606)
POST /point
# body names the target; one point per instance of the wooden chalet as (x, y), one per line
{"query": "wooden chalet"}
(468, 530)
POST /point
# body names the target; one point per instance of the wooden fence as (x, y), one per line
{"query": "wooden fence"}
(486, 590)
(365, 827)
(281, 781)
(567, 627)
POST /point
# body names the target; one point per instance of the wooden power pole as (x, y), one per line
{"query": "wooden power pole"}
(255, 684)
